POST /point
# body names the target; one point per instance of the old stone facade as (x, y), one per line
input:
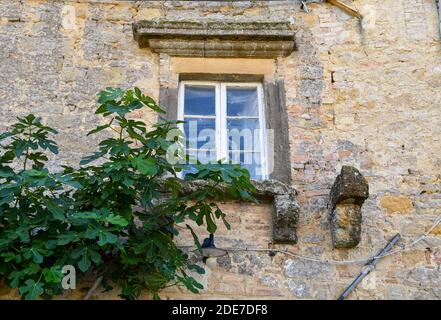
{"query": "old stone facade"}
(364, 93)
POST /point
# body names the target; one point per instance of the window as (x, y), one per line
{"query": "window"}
(224, 121)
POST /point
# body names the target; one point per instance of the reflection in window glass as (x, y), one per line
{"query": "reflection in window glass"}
(243, 134)
(200, 133)
(242, 101)
(200, 100)
(248, 160)
(202, 156)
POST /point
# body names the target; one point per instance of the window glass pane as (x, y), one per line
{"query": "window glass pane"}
(242, 101)
(243, 124)
(248, 160)
(243, 134)
(200, 133)
(200, 100)
(203, 156)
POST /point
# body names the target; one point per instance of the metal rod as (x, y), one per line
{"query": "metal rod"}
(438, 3)
(346, 8)
(305, 7)
(369, 266)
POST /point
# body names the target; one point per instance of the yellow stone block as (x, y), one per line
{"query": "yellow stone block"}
(396, 204)
(148, 13)
(437, 230)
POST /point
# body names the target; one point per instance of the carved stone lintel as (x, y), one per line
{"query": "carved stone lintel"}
(347, 196)
(215, 38)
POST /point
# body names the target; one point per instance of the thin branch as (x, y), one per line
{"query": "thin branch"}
(27, 149)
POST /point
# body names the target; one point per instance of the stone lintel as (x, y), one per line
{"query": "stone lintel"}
(215, 38)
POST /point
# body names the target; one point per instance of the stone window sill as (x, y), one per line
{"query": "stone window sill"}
(283, 197)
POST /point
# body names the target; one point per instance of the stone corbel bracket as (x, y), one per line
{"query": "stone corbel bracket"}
(286, 209)
(284, 199)
(216, 38)
(347, 196)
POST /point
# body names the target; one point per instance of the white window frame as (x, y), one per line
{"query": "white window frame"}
(221, 116)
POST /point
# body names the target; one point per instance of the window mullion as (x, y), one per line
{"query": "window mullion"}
(218, 122)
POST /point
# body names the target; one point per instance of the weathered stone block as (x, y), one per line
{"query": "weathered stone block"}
(349, 187)
(396, 204)
(348, 193)
(300, 289)
(215, 39)
(306, 268)
(346, 225)
(285, 219)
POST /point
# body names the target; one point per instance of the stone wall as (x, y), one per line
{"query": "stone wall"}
(358, 93)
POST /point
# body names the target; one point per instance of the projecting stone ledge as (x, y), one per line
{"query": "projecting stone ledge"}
(285, 219)
(283, 196)
(347, 196)
(216, 38)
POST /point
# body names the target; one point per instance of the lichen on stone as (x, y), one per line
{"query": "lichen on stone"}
(347, 195)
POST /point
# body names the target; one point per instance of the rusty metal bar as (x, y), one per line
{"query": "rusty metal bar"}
(346, 8)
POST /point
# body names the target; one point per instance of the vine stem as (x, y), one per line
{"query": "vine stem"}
(93, 288)
(27, 150)
(25, 161)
